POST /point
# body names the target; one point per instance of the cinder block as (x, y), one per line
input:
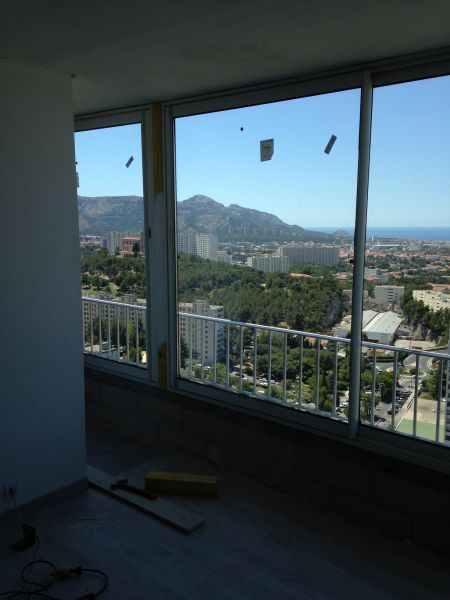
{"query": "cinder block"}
(218, 431)
(141, 429)
(119, 398)
(240, 463)
(266, 447)
(182, 441)
(160, 411)
(171, 413)
(279, 478)
(150, 408)
(389, 490)
(105, 414)
(314, 466)
(350, 476)
(91, 391)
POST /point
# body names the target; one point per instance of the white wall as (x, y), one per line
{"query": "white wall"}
(42, 436)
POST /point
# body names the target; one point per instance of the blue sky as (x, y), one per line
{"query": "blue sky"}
(410, 175)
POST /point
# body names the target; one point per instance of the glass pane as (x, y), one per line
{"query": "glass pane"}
(111, 221)
(265, 214)
(407, 275)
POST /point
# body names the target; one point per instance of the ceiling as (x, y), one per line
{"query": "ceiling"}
(136, 51)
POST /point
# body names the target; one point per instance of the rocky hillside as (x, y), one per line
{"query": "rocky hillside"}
(201, 213)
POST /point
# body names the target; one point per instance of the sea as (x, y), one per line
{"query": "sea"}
(419, 233)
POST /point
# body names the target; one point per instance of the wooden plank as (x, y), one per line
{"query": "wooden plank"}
(160, 509)
(181, 483)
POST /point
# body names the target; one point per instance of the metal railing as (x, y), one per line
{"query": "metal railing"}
(402, 390)
(115, 331)
(310, 372)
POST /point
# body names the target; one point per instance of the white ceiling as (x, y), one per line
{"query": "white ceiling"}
(135, 51)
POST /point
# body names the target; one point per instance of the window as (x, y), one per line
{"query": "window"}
(264, 260)
(260, 269)
(407, 260)
(112, 244)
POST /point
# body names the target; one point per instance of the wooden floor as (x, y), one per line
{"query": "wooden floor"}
(257, 543)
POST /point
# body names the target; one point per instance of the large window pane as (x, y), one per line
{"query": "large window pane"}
(407, 273)
(111, 219)
(265, 214)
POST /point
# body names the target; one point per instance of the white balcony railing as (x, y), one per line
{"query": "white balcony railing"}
(115, 331)
(305, 371)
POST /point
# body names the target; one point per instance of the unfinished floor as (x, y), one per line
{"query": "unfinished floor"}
(257, 543)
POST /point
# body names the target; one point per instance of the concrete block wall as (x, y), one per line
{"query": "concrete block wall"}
(387, 494)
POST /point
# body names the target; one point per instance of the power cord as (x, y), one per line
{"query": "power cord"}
(30, 537)
(42, 588)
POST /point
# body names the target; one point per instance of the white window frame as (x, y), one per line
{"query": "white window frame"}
(161, 268)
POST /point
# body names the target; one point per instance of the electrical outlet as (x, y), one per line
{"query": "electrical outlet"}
(10, 489)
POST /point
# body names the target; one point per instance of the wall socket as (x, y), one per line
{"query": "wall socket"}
(10, 489)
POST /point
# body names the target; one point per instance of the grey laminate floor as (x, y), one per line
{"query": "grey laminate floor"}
(256, 543)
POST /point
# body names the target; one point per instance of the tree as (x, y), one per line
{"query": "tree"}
(184, 352)
(384, 383)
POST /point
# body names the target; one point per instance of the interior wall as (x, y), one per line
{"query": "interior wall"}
(42, 433)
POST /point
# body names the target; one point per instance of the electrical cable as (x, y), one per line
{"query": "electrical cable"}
(42, 588)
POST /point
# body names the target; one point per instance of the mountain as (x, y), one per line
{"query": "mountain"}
(110, 213)
(201, 213)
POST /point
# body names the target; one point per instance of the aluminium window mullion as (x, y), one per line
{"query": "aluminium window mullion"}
(365, 126)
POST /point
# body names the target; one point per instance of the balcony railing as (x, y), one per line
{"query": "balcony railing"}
(115, 331)
(402, 390)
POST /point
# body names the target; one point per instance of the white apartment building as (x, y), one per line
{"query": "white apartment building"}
(200, 244)
(269, 263)
(387, 294)
(434, 300)
(186, 241)
(205, 339)
(206, 246)
(117, 309)
(312, 255)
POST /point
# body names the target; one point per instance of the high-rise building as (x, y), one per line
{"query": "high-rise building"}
(313, 255)
(186, 241)
(206, 246)
(269, 263)
(200, 244)
(114, 240)
(204, 339)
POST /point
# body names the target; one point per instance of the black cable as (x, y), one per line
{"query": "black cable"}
(102, 574)
(42, 589)
(32, 564)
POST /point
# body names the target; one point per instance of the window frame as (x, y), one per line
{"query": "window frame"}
(160, 217)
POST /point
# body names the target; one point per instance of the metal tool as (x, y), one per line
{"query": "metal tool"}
(122, 484)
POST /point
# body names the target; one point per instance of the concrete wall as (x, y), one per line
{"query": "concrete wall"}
(42, 436)
(386, 494)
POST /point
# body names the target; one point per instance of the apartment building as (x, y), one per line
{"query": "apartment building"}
(116, 239)
(434, 300)
(126, 308)
(311, 255)
(388, 294)
(201, 244)
(199, 334)
(269, 263)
